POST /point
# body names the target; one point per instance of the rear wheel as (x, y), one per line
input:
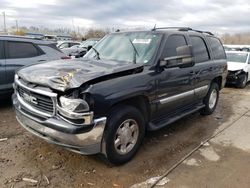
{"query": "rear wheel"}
(124, 134)
(211, 99)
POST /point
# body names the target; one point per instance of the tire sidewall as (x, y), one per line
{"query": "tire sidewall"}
(241, 84)
(207, 110)
(116, 118)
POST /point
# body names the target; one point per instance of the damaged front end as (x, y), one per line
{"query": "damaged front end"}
(62, 119)
(235, 77)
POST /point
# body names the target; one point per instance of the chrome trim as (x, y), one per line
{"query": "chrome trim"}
(176, 97)
(42, 92)
(31, 108)
(87, 116)
(85, 143)
(201, 89)
(38, 91)
(183, 95)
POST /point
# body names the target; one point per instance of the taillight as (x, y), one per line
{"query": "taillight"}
(65, 57)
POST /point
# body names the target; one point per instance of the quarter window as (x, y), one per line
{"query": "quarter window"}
(217, 48)
(21, 50)
(199, 49)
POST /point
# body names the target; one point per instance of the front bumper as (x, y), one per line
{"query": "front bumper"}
(234, 79)
(88, 142)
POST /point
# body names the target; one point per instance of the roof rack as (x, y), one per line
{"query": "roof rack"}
(183, 29)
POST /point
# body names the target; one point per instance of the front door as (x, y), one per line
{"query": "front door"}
(175, 88)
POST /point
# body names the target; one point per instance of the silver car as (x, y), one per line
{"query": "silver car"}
(16, 52)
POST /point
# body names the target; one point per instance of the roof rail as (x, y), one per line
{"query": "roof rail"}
(183, 29)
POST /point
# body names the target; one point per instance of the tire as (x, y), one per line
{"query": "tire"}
(126, 128)
(243, 81)
(211, 99)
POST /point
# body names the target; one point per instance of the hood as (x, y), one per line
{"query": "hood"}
(234, 66)
(67, 74)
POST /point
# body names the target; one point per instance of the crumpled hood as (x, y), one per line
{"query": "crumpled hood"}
(234, 66)
(67, 74)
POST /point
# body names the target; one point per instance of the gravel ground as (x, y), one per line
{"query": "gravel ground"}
(29, 161)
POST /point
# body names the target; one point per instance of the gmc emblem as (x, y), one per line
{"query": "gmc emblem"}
(30, 98)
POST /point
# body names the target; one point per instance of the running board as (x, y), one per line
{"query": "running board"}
(155, 125)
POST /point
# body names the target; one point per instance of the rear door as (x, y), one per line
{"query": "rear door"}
(2, 66)
(19, 54)
(203, 65)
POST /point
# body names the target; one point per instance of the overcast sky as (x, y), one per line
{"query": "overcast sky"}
(216, 15)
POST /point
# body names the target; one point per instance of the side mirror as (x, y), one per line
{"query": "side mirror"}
(183, 58)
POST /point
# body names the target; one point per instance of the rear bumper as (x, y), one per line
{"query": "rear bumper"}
(88, 142)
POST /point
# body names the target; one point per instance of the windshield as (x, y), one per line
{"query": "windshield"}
(130, 47)
(87, 43)
(237, 57)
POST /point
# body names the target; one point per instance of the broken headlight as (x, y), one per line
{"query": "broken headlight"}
(238, 72)
(74, 105)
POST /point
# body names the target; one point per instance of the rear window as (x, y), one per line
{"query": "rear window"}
(22, 50)
(199, 49)
(217, 48)
(1, 50)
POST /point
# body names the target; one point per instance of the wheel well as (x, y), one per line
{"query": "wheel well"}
(218, 80)
(139, 102)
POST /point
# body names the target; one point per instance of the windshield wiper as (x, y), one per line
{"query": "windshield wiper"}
(97, 53)
(135, 51)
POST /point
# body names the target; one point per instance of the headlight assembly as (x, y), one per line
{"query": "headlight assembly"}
(74, 105)
(238, 72)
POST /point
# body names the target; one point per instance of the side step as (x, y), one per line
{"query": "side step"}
(155, 125)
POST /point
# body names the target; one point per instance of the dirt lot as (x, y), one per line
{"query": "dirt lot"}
(25, 156)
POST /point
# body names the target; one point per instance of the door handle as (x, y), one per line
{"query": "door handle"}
(210, 69)
(41, 60)
(192, 73)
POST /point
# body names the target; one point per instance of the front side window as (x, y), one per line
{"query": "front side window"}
(199, 47)
(172, 44)
(22, 50)
(217, 48)
(138, 47)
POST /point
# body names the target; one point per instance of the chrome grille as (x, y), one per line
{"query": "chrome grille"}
(40, 102)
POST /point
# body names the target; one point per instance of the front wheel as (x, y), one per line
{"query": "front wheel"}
(124, 134)
(211, 99)
(243, 81)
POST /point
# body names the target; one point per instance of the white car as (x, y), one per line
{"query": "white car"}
(238, 68)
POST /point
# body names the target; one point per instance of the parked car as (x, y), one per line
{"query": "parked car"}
(16, 52)
(66, 44)
(81, 50)
(129, 83)
(238, 68)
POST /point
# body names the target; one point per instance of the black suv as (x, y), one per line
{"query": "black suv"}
(129, 83)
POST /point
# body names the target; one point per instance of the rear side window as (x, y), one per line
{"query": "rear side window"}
(217, 48)
(1, 50)
(200, 51)
(22, 50)
(173, 42)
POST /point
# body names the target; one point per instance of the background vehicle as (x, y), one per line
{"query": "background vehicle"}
(66, 44)
(129, 83)
(16, 52)
(81, 50)
(238, 68)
